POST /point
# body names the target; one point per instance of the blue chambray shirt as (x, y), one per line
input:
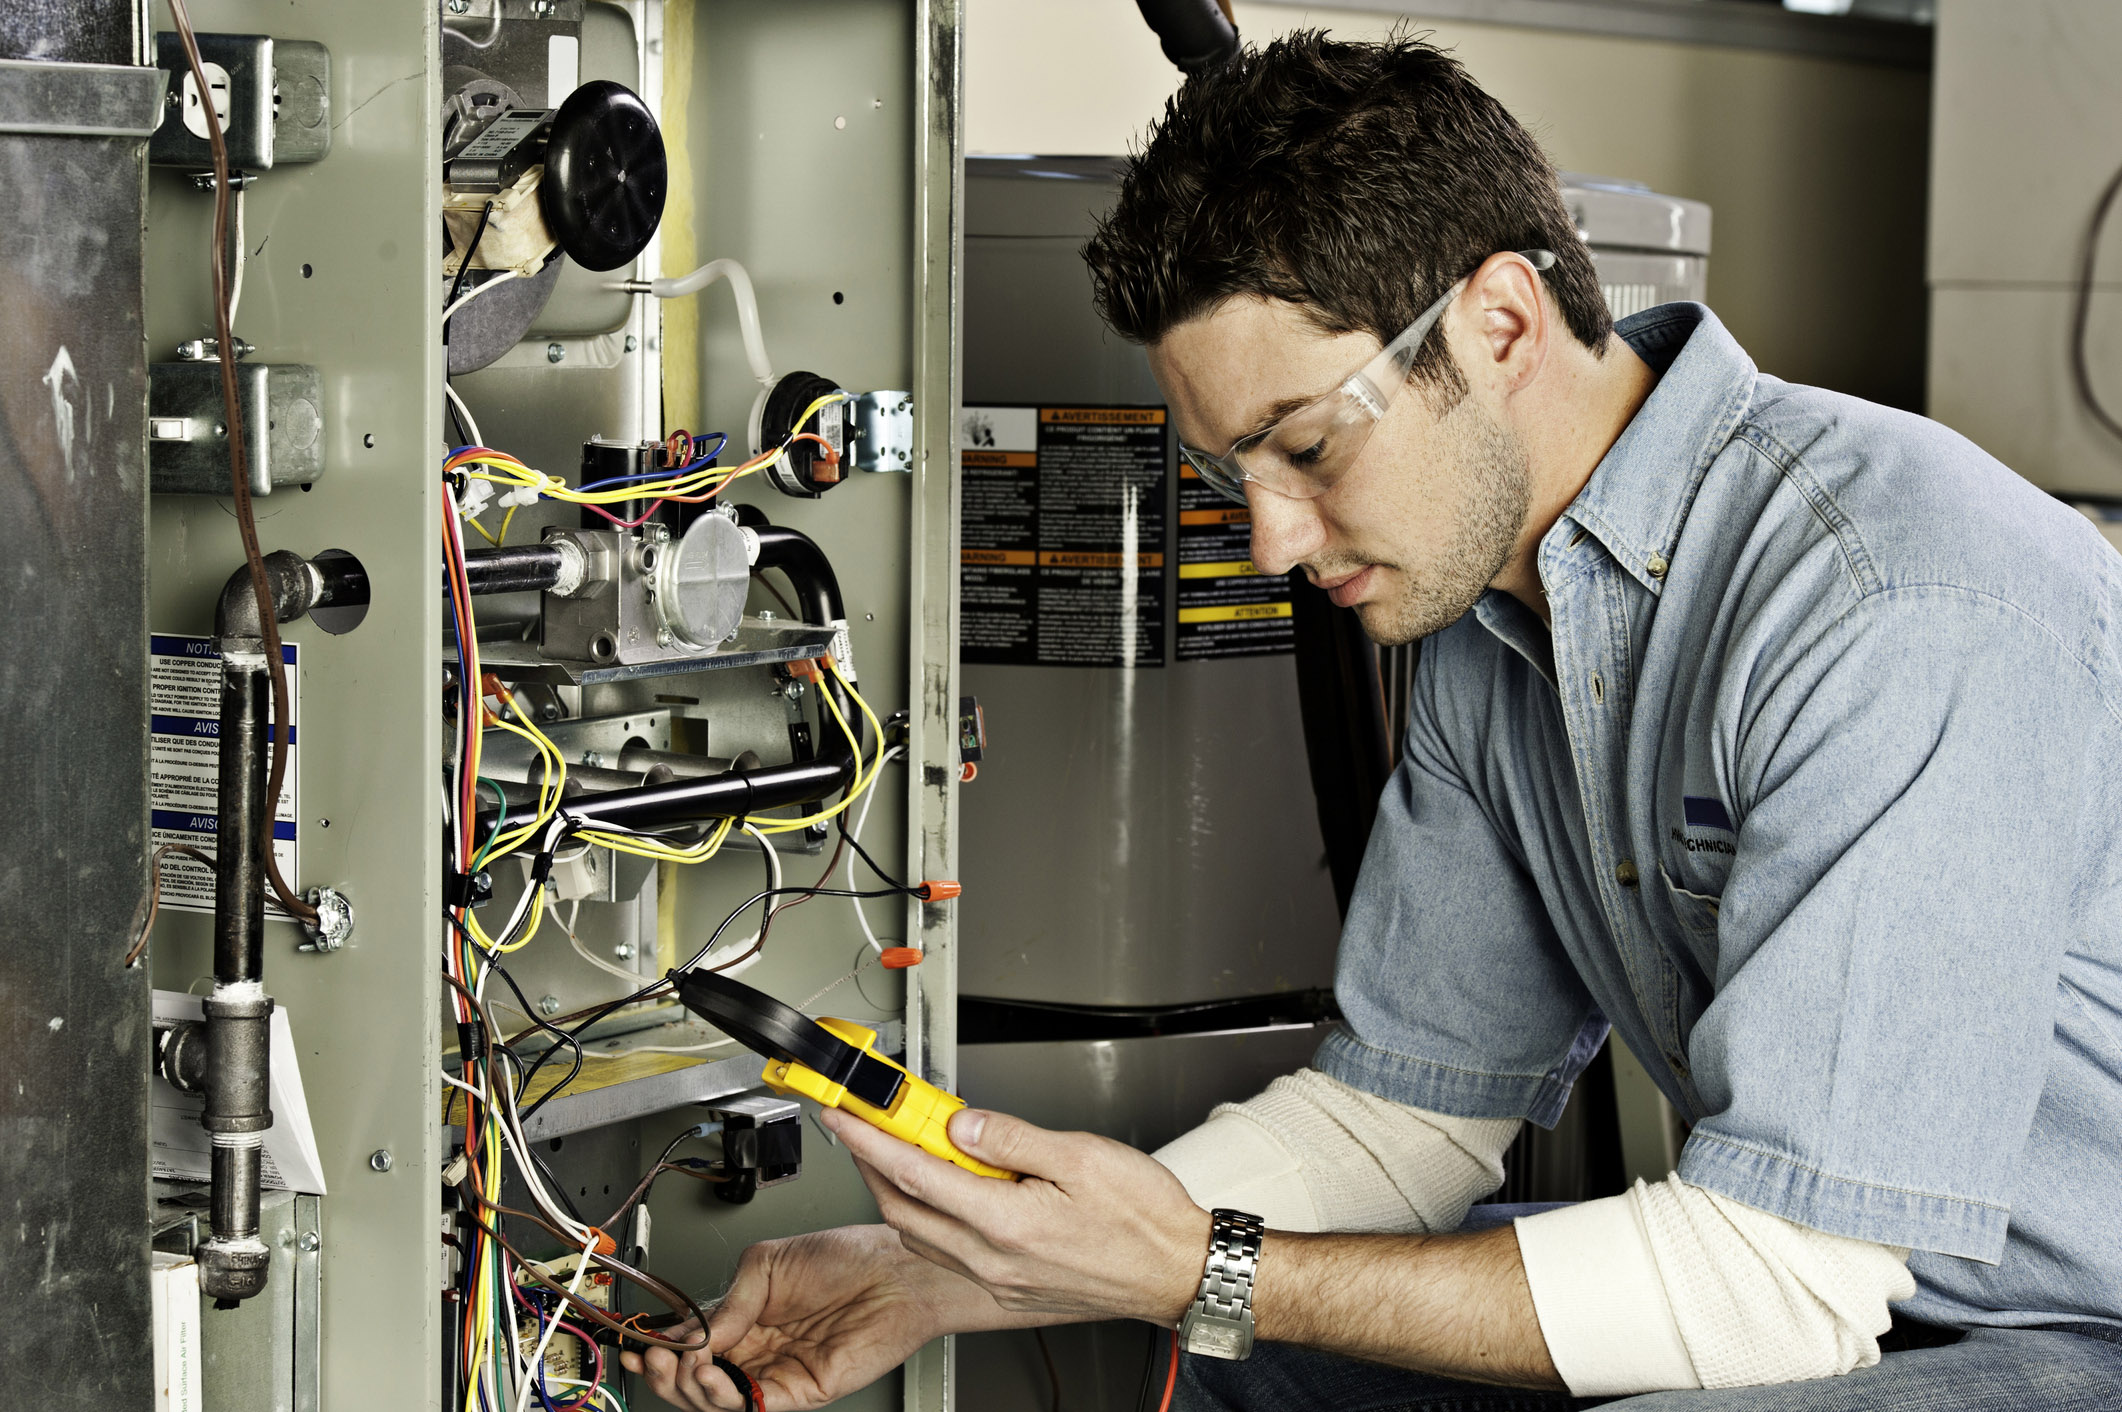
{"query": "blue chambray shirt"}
(1812, 793)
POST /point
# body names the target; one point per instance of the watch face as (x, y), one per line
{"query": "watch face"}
(1216, 1338)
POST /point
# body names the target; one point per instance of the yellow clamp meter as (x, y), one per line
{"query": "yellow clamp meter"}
(831, 1062)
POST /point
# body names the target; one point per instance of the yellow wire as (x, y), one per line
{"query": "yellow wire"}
(862, 781)
(502, 538)
(474, 523)
(552, 780)
(643, 846)
(504, 469)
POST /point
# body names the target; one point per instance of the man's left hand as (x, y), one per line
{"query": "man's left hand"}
(1094, 1230)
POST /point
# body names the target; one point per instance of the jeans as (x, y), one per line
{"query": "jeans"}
(1991, 1370)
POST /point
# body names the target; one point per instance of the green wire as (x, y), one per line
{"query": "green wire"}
(480, 858)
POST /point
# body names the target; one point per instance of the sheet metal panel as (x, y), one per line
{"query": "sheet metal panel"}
(73, 756)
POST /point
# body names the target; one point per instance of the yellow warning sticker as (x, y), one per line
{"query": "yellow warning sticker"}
(1234, 613)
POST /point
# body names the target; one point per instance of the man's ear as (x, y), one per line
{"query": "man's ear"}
(1513, 324)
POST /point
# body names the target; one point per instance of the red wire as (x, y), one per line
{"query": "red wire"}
(1171, 1375)
(617, 523)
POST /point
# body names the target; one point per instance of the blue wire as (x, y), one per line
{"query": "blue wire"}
(721, 440)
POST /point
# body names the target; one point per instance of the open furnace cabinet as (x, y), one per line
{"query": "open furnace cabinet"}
(816, 142)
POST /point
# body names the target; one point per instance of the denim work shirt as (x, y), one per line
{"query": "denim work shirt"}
(1811, 792)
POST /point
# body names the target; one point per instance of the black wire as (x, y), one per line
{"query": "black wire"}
(561, 1035)
(698, 956)
(767, 857)
(464, 435)
(464, 267)
(1149, 1370)
(2083, 319)
(863, 854)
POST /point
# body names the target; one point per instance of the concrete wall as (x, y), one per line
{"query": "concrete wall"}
(1816, 168)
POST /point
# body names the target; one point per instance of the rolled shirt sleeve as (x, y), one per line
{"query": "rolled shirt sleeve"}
(1923, 804)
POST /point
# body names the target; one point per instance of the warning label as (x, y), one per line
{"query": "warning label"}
(1063, 523)
(184, 766)
(1227, 608)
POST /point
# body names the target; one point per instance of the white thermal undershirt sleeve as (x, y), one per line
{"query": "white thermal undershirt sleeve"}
(1672, 1286)
(1311, 1153)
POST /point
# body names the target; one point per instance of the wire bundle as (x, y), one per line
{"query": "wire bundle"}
(499, 1373)
(696, 482)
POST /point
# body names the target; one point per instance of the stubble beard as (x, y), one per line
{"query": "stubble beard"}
(1498, 495)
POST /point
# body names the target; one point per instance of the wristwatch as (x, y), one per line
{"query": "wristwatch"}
(1220, 1322)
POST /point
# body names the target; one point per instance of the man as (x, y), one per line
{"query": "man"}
(1772, 727)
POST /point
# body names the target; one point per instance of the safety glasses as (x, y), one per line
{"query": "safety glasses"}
(1305, 453)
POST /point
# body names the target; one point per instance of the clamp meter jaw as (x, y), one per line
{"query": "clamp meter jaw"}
(834, 1063)
(884, 1095)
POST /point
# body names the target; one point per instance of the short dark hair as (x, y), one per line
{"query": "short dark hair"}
(1357, 180)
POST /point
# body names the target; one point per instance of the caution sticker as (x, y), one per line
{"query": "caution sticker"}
(1227, 607)
(1063, 525)
(184, 767)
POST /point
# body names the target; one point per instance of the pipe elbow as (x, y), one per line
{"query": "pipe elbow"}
(295, 586)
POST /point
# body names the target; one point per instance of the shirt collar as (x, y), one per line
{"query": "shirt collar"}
(1638, 496)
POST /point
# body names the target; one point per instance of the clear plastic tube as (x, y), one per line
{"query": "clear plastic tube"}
(740, 287)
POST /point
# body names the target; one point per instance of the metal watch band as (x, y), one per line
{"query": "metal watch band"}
(1220, 1322)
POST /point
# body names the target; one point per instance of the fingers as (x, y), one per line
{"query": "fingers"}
(1015, 1145)
(929, 1180)
(741, 1306)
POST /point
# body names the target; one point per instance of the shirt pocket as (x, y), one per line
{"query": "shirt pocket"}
(1697, 911)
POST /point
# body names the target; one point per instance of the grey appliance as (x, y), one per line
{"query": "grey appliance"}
(1148, 925)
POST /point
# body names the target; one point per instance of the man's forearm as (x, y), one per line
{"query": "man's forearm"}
(1452, 1304)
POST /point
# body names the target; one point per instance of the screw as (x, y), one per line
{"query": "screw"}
(663, 638)
(632, 343)
(380, 1160)
(310, 1241)
(460, 7)
(795, 691)
(548, 1006)
(555, 352)
(624, 951)
(594, 759)
(765, 616)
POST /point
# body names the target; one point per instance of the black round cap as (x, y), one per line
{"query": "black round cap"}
(605, 176)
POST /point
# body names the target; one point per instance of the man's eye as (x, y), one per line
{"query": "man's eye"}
(1310, 456)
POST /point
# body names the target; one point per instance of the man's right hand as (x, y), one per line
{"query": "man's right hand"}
(815, 1317)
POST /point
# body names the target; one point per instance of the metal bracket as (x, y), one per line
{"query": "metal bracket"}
(883, 437)
(78, 100)
(283, 420)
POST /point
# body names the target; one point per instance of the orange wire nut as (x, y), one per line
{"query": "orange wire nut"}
(898, 958)
(939, 890)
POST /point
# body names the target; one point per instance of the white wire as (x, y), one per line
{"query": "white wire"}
(657, 1049)
(463, 411)
(552, 1325)
(861, 818)
(478, 289)
(235, 287)
(512, 1136)
(773, 863)
(477, 1093)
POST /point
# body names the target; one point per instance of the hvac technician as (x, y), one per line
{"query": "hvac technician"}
(1774, 728)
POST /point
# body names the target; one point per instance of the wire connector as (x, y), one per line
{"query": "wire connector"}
(466, 890)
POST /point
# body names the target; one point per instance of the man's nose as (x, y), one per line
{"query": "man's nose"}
(1285, 531)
